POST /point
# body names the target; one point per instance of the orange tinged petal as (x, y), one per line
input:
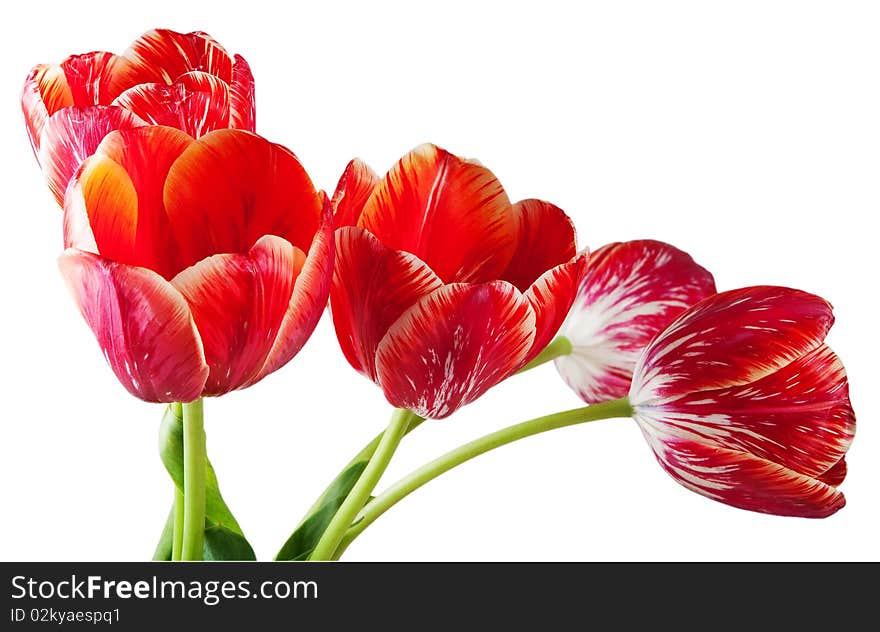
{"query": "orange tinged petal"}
(73, 134)
(162, 55)
(451, 213)
(121, 190)
(45, 92)
(232, 187)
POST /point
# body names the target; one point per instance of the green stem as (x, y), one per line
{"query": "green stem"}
(364, 455)
(559, 347)
(360, 493)
(428, 472)
(195, 461)
(177, 541)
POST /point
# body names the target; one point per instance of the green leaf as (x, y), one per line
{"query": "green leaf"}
(224, 539)
(166, 540)
(300, 544)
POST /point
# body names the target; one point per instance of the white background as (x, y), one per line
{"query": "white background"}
(747, 133)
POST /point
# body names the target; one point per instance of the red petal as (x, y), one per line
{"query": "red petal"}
(798, 416)
(95, 78)
(453, 345)
(196, 103)
(161, 56)
(143, 325)
(546, 240)
(230, 188)
(355, 186)
(372, 286)
(728, 339)
(746, 481)
(308, 299)
(238, 303)
(121, 189)
(45, 92)
(73, 134)
(452, 214)
(242, 107)
(631, 292)
(551, 297)
(835, 475)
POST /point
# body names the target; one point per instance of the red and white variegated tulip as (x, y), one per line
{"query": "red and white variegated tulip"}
(741, 401)
(630, 293)
(200, 265)
(184, 80)
(442, 288)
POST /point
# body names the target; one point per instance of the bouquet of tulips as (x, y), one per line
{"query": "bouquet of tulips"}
(202, 256)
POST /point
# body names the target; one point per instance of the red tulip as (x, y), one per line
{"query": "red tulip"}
(200, 265)
(630, 293)
(741, 401)
(187, 81)
(442, 287)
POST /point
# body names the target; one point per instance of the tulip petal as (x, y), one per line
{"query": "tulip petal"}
(242, 105)
(746, 481)
(551, 297)
(94, 78)
(453, 345)
(546, 239)
(45, 92)
(230, 188)
(308, 299)
(451, 213)
(238, 303)
(798, 416)
(73, 134)
(835, 474)
(729, 339)
(630, 293)
(162, 55)
(355, 186)
(373, 286)
(121, 190)
(143, 325)
(196, 103)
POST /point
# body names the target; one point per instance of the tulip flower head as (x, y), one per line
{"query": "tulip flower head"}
(187, 81)
(741, 401)
(630, 293)
(200, 265)
(442, 287)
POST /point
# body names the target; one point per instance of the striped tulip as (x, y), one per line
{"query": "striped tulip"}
(741, 401)
(442, 287)
(187, 81)
(201, 266)
(630, 293)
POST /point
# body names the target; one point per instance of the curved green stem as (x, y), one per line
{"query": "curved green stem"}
(559, 347)
(195, 466)
(364, 455)
(177, 538)
(428, 472)
(355, 500)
